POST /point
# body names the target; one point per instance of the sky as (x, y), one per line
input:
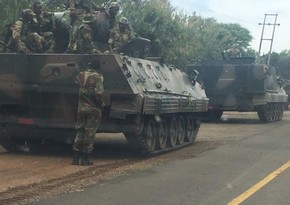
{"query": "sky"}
(247, 13)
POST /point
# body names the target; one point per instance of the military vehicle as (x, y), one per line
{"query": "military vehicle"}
(155, 105)
(240, 84)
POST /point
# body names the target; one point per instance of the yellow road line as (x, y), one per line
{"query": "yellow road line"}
(259, 185)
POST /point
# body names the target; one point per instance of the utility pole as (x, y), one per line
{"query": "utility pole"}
(273, 33)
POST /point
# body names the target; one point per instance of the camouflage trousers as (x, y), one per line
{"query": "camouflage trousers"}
(87, 124)
(39, 44)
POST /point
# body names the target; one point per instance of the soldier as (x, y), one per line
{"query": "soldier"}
(113, 11)
(46, 24)
(120, 35)
(89, 113)
(105, 20)
(85, 44)
(234, 51)
(24, 37)
(73, 18)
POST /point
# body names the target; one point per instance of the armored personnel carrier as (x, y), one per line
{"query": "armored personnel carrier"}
(240, 84)
(156, 106)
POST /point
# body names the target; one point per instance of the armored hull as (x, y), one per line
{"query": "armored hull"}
(242, 85)
(156, 106)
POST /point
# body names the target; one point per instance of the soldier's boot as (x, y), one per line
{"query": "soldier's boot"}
(76, 158)
(85, 160)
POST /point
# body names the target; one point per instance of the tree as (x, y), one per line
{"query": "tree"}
(183, 39)
(10, 10)
(179, 38)
(281, 61)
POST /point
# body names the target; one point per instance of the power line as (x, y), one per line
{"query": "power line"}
(204, 10)
(268, 39)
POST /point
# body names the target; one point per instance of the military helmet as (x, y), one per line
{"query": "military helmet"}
(84, 28)
(114, 4)
(113, 8)
(124, 20)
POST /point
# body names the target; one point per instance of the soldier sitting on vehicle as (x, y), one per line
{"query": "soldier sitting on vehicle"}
(234, 52)
(85, 44)
(73, 18)
(46, 24)
(24, 36)
(105, 20)
(120, 35)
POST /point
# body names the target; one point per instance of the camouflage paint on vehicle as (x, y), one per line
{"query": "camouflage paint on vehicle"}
(156, 106)
(240, 84)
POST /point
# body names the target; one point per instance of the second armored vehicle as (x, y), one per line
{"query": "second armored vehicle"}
(240, 84)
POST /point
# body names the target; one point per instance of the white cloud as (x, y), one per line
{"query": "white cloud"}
(247, 13)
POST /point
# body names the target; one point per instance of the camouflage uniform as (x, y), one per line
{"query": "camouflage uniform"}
(105, 20)
(73, 18)
(234, 52)
(89, 113)
(46, 25)
(85, 44)
(120, 36)
(25, 38)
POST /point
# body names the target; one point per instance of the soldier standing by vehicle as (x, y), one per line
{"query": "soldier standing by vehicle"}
(73, 18)
(120, 35)
(89, 113)
(24, 36)
(85, 44)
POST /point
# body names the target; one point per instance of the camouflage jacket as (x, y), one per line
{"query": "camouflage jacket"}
(20, 29)
(233, 53)
(119, 39)
(91, 89)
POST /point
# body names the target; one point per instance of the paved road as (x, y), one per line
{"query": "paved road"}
(250, 171)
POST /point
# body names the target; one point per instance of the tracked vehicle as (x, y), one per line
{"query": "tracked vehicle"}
(240, 84)
(156, 106)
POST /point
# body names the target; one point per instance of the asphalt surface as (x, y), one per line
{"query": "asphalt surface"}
(214, 177)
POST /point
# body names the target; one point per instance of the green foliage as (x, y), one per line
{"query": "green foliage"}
(10, 10)
(281, 61)
(183, 39)
(179, 38)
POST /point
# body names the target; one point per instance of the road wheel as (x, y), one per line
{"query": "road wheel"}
(264, 114)
(180, 130)
(148, 138)
(173, 132)
(189, 134)
(162, 134)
